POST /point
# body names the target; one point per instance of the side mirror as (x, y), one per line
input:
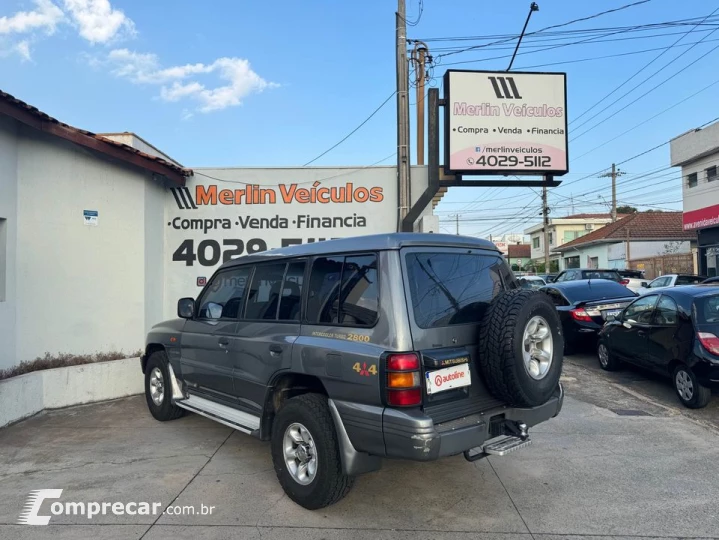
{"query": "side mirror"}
(186, 308)
(644, 284)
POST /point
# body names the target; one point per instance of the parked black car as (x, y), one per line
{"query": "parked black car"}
(584, 306)
(573, 274)
(672, 332)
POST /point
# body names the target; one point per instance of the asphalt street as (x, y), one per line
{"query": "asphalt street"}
(622, 460)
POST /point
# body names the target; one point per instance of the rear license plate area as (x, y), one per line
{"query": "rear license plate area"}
(449, 378)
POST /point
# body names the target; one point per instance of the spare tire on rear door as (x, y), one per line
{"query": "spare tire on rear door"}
(521, 348)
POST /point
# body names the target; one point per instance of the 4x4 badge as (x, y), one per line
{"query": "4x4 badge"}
(364, 370)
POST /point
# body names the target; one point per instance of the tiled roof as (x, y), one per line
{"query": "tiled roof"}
(638, 226)
(31, 116)
(519, 251)
(592, 216)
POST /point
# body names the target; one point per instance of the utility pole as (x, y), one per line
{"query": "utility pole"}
(403, 172)
(545, 230)
(420, 56)
(613, 175)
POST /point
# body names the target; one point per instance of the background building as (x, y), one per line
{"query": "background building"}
(697, 153)
(561, 231)
(653, 242)
(519, 255)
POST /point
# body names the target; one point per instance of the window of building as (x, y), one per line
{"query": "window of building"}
(692, 180)
(264, 296)
(573, 235)
(452, 288)
(571, 262)
(344, 291)
(292, 292)
(711, 173)
(593, 262)
(222, 298)
(535, 242)
(3, 258)
(551, 239)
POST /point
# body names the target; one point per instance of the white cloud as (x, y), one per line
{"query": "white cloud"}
(23, 49)
(46, 16)
(97, 21)
(239, 78)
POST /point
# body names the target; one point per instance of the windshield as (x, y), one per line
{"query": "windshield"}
(596, 290)
(451, 288)
(601, 274)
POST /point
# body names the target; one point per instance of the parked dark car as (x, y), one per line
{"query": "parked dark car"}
(573, 274)
(549, 278)
(714, 279)
(584, 306)
(672, 332)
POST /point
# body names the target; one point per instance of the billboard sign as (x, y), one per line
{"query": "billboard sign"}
(503, 247)
(500, 122)
(225, 213)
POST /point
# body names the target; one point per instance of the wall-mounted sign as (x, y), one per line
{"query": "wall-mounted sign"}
(91, 217)
(500, 122)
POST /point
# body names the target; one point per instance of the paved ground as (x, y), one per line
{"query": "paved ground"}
(612, 464)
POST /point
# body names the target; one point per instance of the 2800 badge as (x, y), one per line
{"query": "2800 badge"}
(513, 161)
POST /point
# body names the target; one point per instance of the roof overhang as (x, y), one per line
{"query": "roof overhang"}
(46, 124)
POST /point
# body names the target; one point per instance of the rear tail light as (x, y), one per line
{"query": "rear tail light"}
(403, 380)
(580, 314)
(709, 341)
(625, 281)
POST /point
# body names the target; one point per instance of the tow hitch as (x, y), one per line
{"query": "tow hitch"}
(515, 436)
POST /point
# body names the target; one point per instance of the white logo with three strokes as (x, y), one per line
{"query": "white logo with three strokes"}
(32, 506)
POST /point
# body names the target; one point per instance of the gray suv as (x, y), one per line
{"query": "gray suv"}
(344, 352)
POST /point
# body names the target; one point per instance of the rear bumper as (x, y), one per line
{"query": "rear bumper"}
(410, 434)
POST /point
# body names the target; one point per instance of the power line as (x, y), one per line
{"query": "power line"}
(550, 27)
(419, 15)
(645, 67)
(353, 131)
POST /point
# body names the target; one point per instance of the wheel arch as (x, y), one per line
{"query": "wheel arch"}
(150, 349)
(283, 386)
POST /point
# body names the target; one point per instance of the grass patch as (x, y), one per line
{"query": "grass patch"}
(50, 361)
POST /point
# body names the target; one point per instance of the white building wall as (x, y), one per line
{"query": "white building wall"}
(81, 289)
(8, 211)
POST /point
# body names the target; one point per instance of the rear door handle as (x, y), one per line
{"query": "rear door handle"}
(223, 342)
(275, 350)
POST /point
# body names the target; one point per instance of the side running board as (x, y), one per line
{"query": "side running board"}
(241, 421)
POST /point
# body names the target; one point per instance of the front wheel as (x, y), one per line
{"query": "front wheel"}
(690, 392)
(158, 389)
(306, 455)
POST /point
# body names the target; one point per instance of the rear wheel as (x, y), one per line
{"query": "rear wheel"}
(305, 453)
(521, 348)
(607, 361)
(690, 392)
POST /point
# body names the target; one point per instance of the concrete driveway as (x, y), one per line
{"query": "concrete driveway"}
(611, 464)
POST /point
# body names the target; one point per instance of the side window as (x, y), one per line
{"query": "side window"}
(561, 277)
(688, 280)
(359, 305)
(291, 299)
(667, 313)
(223, 297)
(343, 290)
(641, 310)
(323, 302)
(264, 296)
(659, 282)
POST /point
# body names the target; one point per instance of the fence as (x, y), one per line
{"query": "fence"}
(664, 264)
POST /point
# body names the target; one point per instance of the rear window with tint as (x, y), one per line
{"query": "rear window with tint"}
(689, 280)
(596, 290)
(599, 274)
(452, 288)
(707, 309)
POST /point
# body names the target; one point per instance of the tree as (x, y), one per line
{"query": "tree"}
(626, 209)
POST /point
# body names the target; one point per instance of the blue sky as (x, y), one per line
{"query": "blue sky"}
(243, 83)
